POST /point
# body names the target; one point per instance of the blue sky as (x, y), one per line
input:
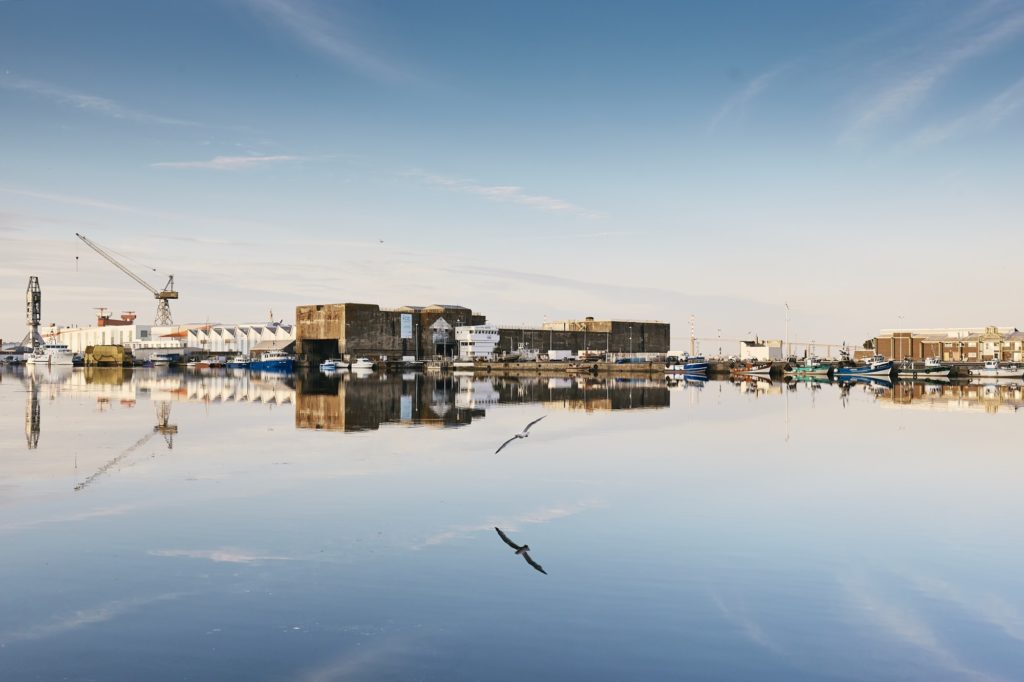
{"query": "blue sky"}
(861, 161)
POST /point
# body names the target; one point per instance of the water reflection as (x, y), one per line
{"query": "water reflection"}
(347, 402)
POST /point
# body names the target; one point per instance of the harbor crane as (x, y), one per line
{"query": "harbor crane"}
(163, 307)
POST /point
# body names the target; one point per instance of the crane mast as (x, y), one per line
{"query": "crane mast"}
(163, 307)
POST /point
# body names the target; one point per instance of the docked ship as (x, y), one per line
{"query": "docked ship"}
(52, 354)
(240, 361)
(273, 361)
(876, 365)
(811, 366)
(687, 364)
(932, 369)
(994, 370)
(756, 368)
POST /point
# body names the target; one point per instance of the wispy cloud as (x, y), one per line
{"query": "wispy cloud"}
(507, 194)
(91, 103)
(508, 523)
(84, 618)
(320, 33)
(227, 555)
(738, 102)
(988, 116)
(229, 162)
(904, 626)
(902, 97)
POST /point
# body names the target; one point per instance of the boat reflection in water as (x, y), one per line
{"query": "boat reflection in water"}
(358, 403)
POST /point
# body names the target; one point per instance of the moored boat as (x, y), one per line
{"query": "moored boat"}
(756, 368)
(239, 361)
(993, 369)
(273, 361)
(333, 365)
(51, 354)
(363, 364)
(687, 364)
(932, 369)
(811, 366)
(876, 365)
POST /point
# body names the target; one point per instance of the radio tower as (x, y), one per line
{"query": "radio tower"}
(33, 313)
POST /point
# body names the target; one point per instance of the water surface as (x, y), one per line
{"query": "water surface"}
(162, 525)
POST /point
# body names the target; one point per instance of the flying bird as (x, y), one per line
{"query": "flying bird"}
(522, 551)
(524, 434)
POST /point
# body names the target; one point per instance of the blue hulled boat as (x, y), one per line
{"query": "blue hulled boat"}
(876, 366)
(273, 361)
(688, 364)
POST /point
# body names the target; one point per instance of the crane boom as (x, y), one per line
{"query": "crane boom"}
(163, 309)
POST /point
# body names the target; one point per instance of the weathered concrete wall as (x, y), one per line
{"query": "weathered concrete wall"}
(609, 336)
(351, 330)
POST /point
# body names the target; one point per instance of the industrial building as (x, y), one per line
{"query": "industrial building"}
(761, 351)
(186, 339)
(952, 344)
(352, 330)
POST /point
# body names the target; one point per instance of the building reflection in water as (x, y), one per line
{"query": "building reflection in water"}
(989, 395)
(351, 402)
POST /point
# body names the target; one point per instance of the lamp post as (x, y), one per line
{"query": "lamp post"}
(631, 340)
(788, 350)
(899, 328)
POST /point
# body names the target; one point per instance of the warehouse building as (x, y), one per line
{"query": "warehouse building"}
(952, 344)
(352, 330)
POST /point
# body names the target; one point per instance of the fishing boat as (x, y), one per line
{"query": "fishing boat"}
(994, 370)
(333, 365)
(688, 364)
(51, 354)
(811, 366)
(932, 369)
(240, 361)
(273, 361)
(876, 365)
(363, 364)
(756, 368)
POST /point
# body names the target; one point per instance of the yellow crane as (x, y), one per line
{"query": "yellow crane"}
(163, 308)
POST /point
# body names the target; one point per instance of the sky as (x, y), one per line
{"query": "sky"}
(531, 160)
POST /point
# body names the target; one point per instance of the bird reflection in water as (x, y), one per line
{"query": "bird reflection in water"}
(521, 550)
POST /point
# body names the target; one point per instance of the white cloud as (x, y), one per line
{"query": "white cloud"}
(988, 116)
(86, 102)
(739, 101)
(508, 194)
(229, 162)
(224, 555)
(323, 35)
(902, 97)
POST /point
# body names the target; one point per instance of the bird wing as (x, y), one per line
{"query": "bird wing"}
(531, 424)
(504, 444)
(507, 541)
(526, 555)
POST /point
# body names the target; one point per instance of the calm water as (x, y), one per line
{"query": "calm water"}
(168, 526)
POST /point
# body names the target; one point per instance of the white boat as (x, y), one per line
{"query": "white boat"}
(932, 369)
(52, 354)
(160, 359)
(363, 364)
(994, 370)
(333, 365)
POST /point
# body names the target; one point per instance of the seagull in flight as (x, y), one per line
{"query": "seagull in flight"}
(521, 551)
(524, 434)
